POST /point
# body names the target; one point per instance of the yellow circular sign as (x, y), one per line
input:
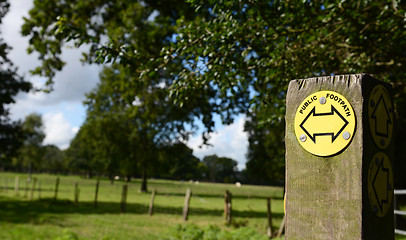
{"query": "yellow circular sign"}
(380, 184)
(325, 123)
(380, 112)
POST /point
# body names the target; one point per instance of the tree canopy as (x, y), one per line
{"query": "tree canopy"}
(227, 57)
(129, 128)
(236, 48)
(10, 84)
(221, 169)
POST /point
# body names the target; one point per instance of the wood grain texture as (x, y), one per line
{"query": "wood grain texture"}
(325, 196)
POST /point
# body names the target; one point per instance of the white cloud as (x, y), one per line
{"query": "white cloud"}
(70, 85)
(58, 130)
(229, 141)
(62, 108)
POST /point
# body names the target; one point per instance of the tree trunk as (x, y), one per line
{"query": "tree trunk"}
(90, 173)
(144, 181)
(111, 179)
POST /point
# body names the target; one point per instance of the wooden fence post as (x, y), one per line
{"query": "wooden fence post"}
(124, 198)
(33, 188)
(269, 214)
(5, 185)
(186, 204)
(339, 154)
(96, 192)
(39, 190)
(151, 203)
(227, 207)
(16, 185)
(56, 188)
(281, 227)
(26, 187)
(76, 194)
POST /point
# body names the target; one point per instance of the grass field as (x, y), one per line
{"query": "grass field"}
(44, 218)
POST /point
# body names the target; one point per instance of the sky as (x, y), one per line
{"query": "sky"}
(62, 110)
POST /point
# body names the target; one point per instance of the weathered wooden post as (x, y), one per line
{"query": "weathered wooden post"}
(151, 202)
(33, 188)
(56, 188)
(26, 187)
(5, 185)
(185, 213)
(124, 198)
(339, 154)
(16, 185)
(227, 206)
(76, 193)
(281, 227)
(96, 192)
(269, 215)
(39, 190)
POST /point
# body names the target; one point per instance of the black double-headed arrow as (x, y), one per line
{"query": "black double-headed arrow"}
(324, 124)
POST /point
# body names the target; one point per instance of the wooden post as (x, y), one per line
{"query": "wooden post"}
(16, 185)
(96, 192)
(26, 187)
(227, 207)
(124, 198)
(33, 188)
(56, 188)
(39, 190)
(269, 214)
(281, 227)
(151, 203)
(76, 194)
(186, 204)
(5, 185)
(339, 154)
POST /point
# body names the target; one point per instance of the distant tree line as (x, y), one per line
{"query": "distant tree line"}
(172, 161)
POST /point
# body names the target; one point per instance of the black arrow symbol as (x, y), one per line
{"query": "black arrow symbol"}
(324, 124)
(381, 195)
(382, 118)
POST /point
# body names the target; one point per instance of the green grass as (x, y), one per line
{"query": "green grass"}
(44, 218)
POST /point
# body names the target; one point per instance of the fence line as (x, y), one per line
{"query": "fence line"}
(398, 212)
(123, 203)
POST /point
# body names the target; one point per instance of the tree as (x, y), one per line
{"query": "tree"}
(10, 85)
(266, 150)
(31, 152)
(178, 162)
(128, 33)
(221, 169)
(130, 128)
(136, 31)
(82, 155)
(256, 47)
(53, 160)
(240, 54)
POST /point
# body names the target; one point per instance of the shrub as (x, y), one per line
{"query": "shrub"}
(193, 232)
(67, 235)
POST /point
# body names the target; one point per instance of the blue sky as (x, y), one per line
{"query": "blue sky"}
(62, 110)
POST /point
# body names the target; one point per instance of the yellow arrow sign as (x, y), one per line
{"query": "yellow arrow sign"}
(380, 184)
(324, 123)
(380, 113)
